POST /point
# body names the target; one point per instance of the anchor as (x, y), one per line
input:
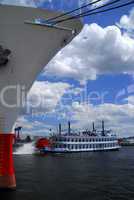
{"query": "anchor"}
(4, 56)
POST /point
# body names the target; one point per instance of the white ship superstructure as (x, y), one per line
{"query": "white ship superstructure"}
(81, 143)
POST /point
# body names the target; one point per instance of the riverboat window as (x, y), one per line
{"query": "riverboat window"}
(80, 140)
(72, 140)
(83, 140)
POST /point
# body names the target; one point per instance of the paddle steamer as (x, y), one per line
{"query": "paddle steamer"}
(79, 142)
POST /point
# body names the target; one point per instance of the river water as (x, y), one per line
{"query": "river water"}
(77, 176)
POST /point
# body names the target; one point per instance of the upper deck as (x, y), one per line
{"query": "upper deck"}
(83, 138)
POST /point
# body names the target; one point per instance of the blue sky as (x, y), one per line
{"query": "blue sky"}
(91, 79)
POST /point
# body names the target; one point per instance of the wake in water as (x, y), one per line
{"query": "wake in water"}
(26, 149)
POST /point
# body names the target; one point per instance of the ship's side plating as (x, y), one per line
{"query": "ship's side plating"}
(31, 47)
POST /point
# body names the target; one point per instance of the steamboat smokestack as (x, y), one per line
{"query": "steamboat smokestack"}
(69, 128)
(93, 127)
(103, 128)
(59, 129)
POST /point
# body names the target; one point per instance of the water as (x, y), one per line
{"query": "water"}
(26, 149)
(81, 176)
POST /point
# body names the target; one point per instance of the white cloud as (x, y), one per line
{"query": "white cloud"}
(34, 127)
(119, 118)
(130, 99)
(19, 2)
(45, 96)
(100, 3)
(95, 51)
(127, 21)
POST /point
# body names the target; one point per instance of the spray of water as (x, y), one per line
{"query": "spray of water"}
(26, 149)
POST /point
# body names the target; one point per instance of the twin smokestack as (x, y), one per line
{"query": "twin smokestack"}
(69, 128)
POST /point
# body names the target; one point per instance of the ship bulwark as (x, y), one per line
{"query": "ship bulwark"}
(32, 46)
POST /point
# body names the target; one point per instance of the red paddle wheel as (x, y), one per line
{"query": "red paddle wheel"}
(42, 143)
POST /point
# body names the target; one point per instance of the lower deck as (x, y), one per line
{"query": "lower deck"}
(65, 150)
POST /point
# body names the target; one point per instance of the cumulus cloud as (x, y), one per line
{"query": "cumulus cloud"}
(99, 3)
(44, 96)
(34, 127)
(130, 99)
(19, 2)
(127, 21)
(95, 51)
(119, 118)
(42, 100)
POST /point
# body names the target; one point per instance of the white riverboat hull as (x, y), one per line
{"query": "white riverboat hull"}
(75, 143)
(48, 150)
